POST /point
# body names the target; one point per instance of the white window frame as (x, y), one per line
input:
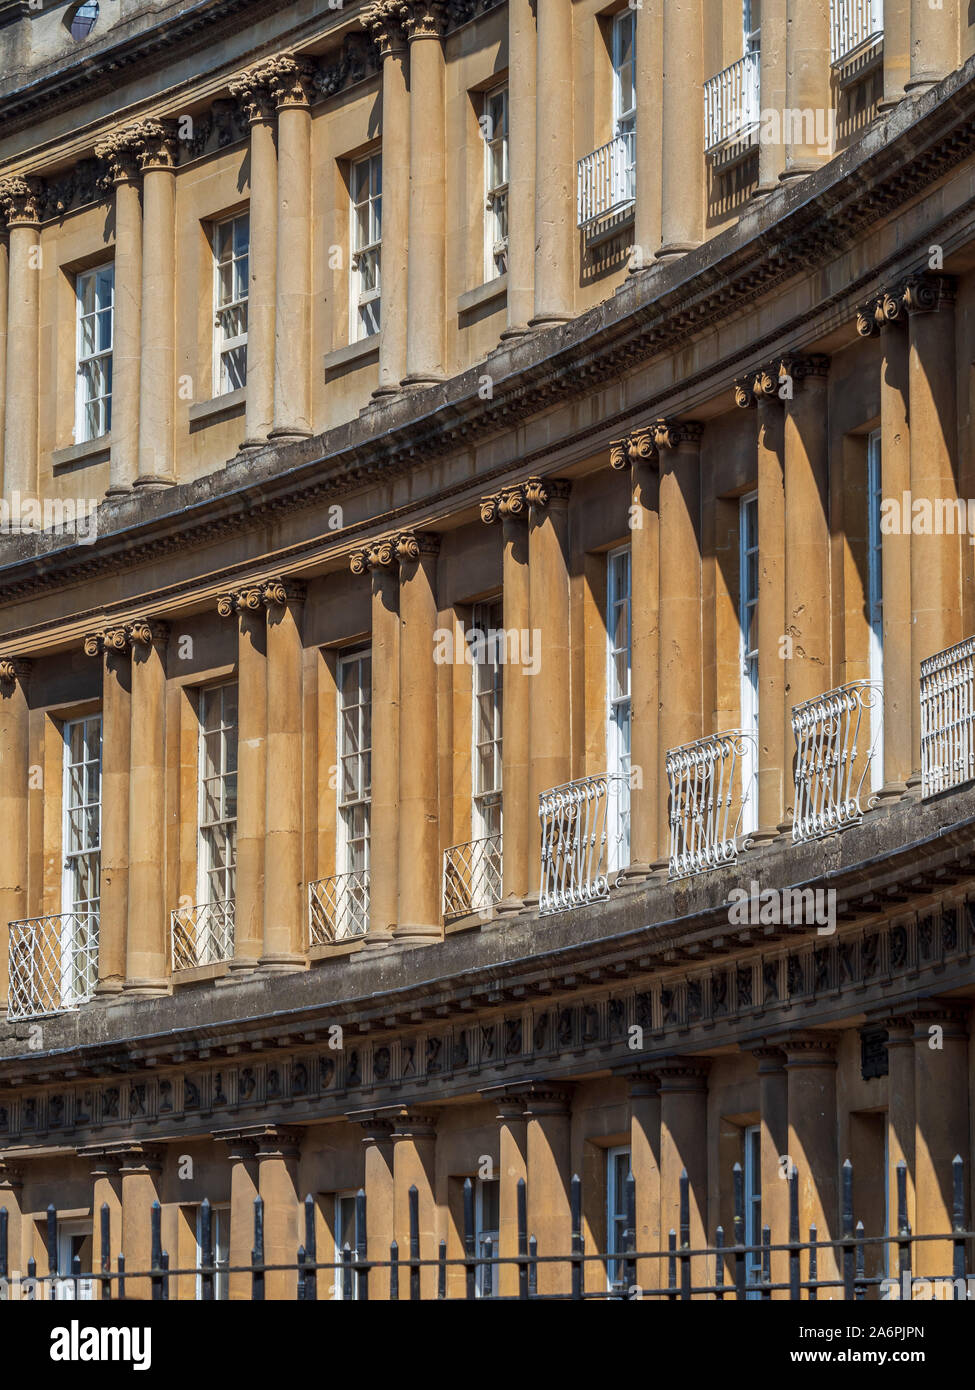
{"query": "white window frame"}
(875, 592)
(619, 712)
(230, 340)
(352, 849)
(748, 653)
(341, 1236)
(365, 301)
(615, 1213)
(487, 1284)
(495, 193)
(486, 686)
(93, 407)
(625, 94)
(207, 869)
(752, 1140)
(220, 1240)
(79, 853)
(751, 33)
(64, 1290)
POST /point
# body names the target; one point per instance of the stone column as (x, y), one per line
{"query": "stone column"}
(147, 941)
(120, 155)
(512, 1167)
(290, 83)
(113, 916)
(140, 1169)
(414, 1165)
(807, 555)
(941, 1127)
(378, 1150)
(812, 1147)
(20, 200)
(548, 1153)
(680, 642)
(383, 23)
(419, 843)
(934, 43)
(555, 167)
(242, 1146)
(14, 785)
(935, 559)
(772, 79)
(11, 1197)
(247, 605)
(774, 756)
(645, 1167)
(684, 1148)
(254, 95)
(807, 87)
(886, 316)
(285, 927)
(683, 165)
(897, 51)
(4, 284)
(518, 868)
(521, 166)
(548, 565)
(277, 1179)
(647, 223)
(638, 453)
(379, 561)
(157, 380)
(426, 306)
(901, 1121)
(106, 1190)
(774, 1106)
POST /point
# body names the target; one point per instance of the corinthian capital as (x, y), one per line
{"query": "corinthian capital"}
(290, 80)
(119, 154)
(154, 142)
(21, 199)
(252, 93)
(424, 19)
(383, 21)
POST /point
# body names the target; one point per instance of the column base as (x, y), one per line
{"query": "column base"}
(375, 941)
(765, 834)
(914, 786)
(530, 903)
(516, 331)
(892, 791)
(240, 965)
(548, 320)
(418, 381)
(386, 393)
(249, 446)
(800, 171)
(424, 935)
(155, 480)
(633, 873)
(281, 963)
(672, 249)
(119, 490)
(280, 433)
(108, 989)
(146, 988)
(918, 85)
(510, 906)
(888, 103)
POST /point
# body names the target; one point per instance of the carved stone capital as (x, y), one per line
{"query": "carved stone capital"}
(745, 398)
(377, 555)
(926, 292)
(11, 1176)
(154, 142)
(424, 19)
(239, 601)
(290, 80)
(14, 669)
(21, 200)
(383, 21)
(542, 492)
(413, 1124)
(809, 1049)
(636, 447)
(282, 590)
(119, 154)
(113, 639)
(814, 366)
(671, 434)
(410, 545)
(146, 632)
(683, 1073)
(253, 94)
(507, 505)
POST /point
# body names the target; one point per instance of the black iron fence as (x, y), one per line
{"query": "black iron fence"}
(737, 1270)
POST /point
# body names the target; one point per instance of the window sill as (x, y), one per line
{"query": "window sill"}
(91, 451)
(232, 403)
(483, 294)
(353, 354)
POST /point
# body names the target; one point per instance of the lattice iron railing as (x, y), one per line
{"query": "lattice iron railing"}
(53, 963)
(338, 907)
(605, 180)
(947, 718)
(578, 819)
(838, 736)
(203, 935)
(854, 24)
(710, 795)
(732, 101)
(471, 876)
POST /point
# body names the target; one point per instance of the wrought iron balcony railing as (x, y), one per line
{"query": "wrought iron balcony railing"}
(947, 718)
(854, 24)
(338, 907)
(203, 935)
(732, 101)
(53, 964)
(579, 821)
(606, 180)
(471, 876)
(710, 795)
(838, 736)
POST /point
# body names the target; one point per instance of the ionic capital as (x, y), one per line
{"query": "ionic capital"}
(147, 632)
(798, 369)
(926, 292)
(542, 492)
(671, 434)
(383, 22)
(683, 1073)
(278, 592)
(510, 504)
(410, 545)
(239, 601)
(14, 669)
(21, 200)
(377, 555)
(424, 19)
(636, 447)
